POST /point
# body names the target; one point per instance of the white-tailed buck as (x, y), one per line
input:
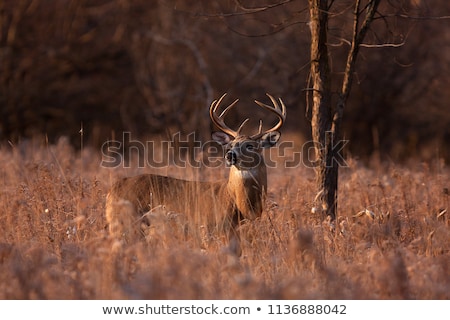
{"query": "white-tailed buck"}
(219, 206)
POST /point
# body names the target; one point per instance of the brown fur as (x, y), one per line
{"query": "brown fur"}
(132, 202)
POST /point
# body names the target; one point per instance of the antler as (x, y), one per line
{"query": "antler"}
(279, 112)
(218, 119)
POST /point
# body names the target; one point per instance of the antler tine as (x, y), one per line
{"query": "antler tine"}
(260, 126)
(241, 126)
(280, 112)
(218, 120)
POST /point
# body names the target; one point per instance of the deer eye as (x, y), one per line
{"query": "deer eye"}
(250, 147)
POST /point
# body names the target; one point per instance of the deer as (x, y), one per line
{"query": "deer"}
(226, 204)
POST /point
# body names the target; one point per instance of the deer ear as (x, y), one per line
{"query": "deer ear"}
(221, 137)
(269, 139)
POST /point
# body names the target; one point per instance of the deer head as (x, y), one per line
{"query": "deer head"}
(247, 183)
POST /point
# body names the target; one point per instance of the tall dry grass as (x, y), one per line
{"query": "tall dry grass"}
(391, 239)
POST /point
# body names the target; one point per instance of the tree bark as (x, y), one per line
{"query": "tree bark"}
(326, 119)
(326, 172)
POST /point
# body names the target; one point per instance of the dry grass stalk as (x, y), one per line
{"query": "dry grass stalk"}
(54, 245)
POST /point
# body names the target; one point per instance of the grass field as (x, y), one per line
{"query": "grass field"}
(392, 238)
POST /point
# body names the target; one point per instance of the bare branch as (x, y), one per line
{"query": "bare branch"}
(383, 45)
(404, 16)
(371, 10)
(259, 9)
(357, 39)
(245, 11)
(367, 45)
(279, 29)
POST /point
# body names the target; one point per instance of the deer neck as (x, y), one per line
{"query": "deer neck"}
(247, 188)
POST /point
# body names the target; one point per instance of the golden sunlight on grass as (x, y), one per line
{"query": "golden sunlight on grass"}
(391, 239)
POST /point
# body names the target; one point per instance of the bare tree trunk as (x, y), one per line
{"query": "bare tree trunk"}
(326, 175)
(326, 118)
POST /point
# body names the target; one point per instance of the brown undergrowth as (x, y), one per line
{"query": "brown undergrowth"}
(390, 241)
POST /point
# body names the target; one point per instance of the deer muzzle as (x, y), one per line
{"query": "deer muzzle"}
(231, 158)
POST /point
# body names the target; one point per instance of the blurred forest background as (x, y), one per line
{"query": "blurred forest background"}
(154, 67)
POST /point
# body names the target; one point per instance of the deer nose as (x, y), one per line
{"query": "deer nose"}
(231, 157)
